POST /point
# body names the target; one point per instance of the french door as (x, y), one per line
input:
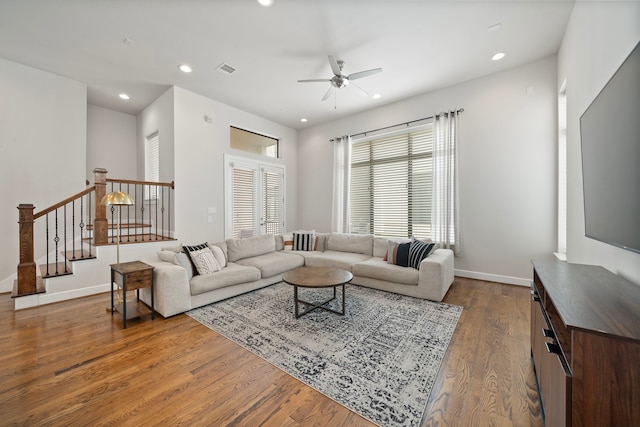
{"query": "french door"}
(254, 198)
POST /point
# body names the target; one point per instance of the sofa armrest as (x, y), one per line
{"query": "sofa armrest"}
(172, 292)
(436, 274)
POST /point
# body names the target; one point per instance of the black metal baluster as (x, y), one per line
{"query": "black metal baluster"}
(90, 223)
(47, 239)
(64, 236)
(156, 196)
(135, 213)
(170, 228)
(129, 216)
(73, 228)
(149, 214)
(56, 240)
(162, 210)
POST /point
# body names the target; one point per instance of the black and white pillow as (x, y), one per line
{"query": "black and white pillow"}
(419, 250)
(303, 241)
(188, 249)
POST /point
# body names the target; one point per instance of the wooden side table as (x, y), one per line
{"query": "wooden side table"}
(129, 276)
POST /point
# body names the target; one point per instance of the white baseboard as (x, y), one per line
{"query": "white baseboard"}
(49, 298)
(493, 277)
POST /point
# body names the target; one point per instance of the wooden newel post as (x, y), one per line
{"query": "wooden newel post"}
(27, 265)
(100, 226)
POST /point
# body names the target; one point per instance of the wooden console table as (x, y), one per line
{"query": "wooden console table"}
(130, 276)
(585, 345)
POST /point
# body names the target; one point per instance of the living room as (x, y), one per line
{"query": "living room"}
(508, 151)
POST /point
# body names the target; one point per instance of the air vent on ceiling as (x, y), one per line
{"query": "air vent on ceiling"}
(225, 68)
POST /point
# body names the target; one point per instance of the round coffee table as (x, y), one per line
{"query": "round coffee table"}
(317, 277)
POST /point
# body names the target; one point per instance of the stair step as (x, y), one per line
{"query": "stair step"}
(55, 270)
(40, 289)
(136, 238)
(79, 255)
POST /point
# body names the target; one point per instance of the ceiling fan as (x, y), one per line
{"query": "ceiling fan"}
(340, 80)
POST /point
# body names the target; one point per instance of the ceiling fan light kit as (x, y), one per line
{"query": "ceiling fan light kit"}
(341, 80)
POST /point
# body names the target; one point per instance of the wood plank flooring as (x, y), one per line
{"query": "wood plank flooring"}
(71, 363)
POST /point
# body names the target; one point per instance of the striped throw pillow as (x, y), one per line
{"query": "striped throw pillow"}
(398, 254)
(419, 250)
(303, 241)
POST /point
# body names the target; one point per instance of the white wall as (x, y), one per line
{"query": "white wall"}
(507, 166)
(158, 117)
(198, 150)
(598, 38)
(43, 129)
(111, 143)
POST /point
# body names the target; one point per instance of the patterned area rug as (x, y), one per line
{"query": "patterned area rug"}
(380, 360)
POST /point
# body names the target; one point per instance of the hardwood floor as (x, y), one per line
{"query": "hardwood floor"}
(71, 363)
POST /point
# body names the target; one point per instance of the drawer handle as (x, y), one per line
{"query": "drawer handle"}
(548, 333)
(534, 296)
(553, 348)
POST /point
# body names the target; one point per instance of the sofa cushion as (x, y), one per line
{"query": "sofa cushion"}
(232, 274)
(398, 253)
(343, 260)
(377, 268)
(419, 250)
(238, 249)
(188, 249)
(219, 254)
(204, 261)
(304, 241)
(177, 258)
(273, 263)
(356, 243)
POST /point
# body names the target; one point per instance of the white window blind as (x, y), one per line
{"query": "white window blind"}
(244, 202)
(391, 185)
(273, 201)
(152, 164)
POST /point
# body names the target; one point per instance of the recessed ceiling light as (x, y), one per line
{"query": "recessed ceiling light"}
(124, 96)
(498, 56)
(266, 3)
(185, 68)
(377, 96)
(303, 120)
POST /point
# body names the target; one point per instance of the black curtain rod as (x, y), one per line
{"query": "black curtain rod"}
(461, 110)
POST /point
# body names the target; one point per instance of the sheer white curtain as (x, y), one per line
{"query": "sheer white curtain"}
(445, 218)
(341, 184)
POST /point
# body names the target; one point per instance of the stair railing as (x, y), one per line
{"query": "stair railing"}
(75, 225)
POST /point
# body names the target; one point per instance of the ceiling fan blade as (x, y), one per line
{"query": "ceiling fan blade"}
(328, 94)
(334, 65)
(314, 80)
(362, 91)
(362, 74)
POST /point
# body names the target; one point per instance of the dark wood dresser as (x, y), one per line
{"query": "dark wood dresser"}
(585, 345)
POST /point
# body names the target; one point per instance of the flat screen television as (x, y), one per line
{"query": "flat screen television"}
(610, 143)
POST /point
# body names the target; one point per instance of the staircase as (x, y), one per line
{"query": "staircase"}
(79, 229)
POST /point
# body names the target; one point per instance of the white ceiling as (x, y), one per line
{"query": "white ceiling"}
(421, 45)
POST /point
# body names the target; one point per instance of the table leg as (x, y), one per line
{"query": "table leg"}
(295, 300)
(112, 307)
(153, 307)
(124, 302)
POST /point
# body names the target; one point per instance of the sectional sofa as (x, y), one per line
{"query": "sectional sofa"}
(248, 264)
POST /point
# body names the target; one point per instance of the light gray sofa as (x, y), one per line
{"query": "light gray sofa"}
(260, 261)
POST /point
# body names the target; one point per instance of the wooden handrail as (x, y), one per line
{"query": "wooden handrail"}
(64, 202)
(129, 181)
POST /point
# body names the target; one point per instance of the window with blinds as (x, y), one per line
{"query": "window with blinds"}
(272, 215)
(244, 202)
(152, 165)
(254, 197)
(391, 185)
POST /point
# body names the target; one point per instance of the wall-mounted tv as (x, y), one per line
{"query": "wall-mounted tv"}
(610, 143)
